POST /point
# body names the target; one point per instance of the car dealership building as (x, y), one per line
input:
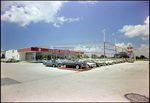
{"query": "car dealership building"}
(37, 54)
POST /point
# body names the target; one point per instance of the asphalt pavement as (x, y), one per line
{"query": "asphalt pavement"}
(34, 82)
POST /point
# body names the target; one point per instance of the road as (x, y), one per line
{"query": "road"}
(24, 82)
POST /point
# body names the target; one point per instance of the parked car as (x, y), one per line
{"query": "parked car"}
(126, 60)
(97, 63)
(7, 61)
(60, 61)
(110, 62)
(44, 62)
(89, 63)
(52, 63)
(130, 61)
(101, 62)
(115, 61)
(107, 62)
(10, 60)
(118, 61)
(74, 63)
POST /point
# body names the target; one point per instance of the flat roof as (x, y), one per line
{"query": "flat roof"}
(47, 50)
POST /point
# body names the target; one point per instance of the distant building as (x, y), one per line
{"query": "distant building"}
(36, 54)
(12, 53)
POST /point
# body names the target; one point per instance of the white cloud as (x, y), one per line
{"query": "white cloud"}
(72, 20)
(113, 34)
(100, 49)
(88, 1)
(55, 24)
(52, 47)
(143, 50)
(144, 38)
(23, 12)
(88, 49)
(131, 31)
(122, 45)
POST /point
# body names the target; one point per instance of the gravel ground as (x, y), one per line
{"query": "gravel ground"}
(23, 82)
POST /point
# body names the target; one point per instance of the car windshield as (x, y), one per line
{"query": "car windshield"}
(48, 60)
(76, 60)
(90, 61)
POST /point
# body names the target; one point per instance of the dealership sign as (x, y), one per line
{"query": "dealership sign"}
(129, 49)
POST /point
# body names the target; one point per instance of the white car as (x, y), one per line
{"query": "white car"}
(100, 61)
(89, 63)
(110, 62)
(106, 61)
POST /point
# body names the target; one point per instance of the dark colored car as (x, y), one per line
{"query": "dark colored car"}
(74, 63)
(60, 61)
(10, 60)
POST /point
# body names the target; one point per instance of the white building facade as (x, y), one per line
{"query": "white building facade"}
(13, 53)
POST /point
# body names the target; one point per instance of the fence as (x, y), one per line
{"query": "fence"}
(97, 47)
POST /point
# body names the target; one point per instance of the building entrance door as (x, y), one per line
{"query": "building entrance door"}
(28, 56)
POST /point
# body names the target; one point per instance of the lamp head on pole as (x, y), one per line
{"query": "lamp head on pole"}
(103, 31)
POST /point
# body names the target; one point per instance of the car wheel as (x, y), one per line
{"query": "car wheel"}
(77, 66)
(65, 66)
(59, 65)
(53, 65)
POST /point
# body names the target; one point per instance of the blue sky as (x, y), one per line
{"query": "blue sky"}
(37, 23)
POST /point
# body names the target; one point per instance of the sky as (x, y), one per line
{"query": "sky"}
(46, 23)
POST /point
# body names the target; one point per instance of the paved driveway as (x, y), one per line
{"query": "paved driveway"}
(35, 82)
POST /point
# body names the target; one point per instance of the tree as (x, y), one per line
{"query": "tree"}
(120, 54)
(86, 56)
(137, 57)
(94, 56)
(102, 56)
(143, 57)
(79, 56)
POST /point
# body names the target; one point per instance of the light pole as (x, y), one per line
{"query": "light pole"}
(104, 45)
(115, 48)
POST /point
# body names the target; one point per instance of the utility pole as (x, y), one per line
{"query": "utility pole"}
(104, 46)
(134, 53)
(115, 48)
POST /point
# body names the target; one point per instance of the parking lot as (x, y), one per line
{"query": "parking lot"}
(36, 82)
